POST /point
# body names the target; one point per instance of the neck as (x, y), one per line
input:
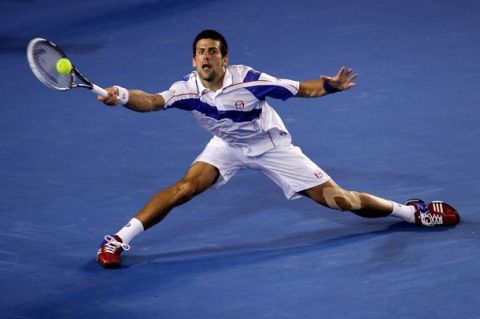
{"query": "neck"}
(214, 84)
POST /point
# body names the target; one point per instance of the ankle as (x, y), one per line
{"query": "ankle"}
(129, 231)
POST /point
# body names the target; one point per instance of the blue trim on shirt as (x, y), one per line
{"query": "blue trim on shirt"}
(252, 75)
(261, 92)
(194, 104)
(275, 91)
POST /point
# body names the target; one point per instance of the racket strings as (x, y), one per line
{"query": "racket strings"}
(45, 57)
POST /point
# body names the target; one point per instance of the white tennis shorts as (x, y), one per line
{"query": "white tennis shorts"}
(286, 165)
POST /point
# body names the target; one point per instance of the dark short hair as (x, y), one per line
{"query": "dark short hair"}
(214, 35)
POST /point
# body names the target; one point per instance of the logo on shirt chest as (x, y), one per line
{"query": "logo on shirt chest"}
(239, 105)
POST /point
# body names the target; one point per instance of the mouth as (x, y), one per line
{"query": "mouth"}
(206, 67)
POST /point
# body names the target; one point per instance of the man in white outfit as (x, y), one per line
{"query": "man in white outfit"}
(230, 102)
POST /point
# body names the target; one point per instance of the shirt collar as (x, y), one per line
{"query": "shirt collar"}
(227, 81)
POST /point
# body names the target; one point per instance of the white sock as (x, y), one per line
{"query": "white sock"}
(405, 213)
(130, 230)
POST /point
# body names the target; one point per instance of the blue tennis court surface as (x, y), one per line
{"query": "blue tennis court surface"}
(73, 170)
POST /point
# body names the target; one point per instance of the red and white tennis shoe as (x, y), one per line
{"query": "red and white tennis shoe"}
(437, 213)
(108, 254)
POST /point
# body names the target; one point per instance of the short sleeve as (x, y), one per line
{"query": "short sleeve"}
(167, 97)
(176, 94)
(263, 85)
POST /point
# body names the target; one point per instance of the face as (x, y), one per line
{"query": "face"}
(208, 60)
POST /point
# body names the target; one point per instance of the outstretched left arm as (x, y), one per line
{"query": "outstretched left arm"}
(326, 85)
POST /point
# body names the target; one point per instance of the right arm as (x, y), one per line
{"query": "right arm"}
(326, 85)
(138, 100)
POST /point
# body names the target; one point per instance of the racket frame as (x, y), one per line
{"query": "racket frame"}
(74, 73)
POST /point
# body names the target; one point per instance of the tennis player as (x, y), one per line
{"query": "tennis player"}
(230, 102)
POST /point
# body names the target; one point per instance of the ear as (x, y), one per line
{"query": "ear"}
(193, 62)
(225, 60)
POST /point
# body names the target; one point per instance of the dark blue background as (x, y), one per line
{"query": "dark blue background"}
(72, 170)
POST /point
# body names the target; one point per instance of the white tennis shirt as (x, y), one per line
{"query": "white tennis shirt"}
(237, 113)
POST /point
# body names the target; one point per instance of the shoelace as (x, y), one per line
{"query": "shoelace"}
(430, 219)
(112, 245)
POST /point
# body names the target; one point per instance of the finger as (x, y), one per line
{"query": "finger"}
(111, 91)
(348, 72)
(340, 72)
(110, 100)
(113, 100)
(103, 98)
(352, 85)
(352, 77)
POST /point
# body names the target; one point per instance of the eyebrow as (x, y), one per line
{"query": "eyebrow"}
(200, 47)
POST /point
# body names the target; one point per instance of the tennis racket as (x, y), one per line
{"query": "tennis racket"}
(43, 56)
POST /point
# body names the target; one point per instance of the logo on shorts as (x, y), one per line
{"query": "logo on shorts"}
(239, 105)
(318, 174)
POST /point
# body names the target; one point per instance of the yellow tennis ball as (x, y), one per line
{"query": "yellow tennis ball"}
(64, 66)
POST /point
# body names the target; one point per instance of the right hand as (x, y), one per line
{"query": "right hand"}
(112, 99)
(343, 80)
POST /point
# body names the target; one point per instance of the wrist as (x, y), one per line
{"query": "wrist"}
(122, 94)
(329, 89)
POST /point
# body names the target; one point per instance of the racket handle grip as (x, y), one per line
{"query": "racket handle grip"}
(98, 90)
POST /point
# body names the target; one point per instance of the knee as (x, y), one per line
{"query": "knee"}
(340, 199)
(184, 191)
(342, 203)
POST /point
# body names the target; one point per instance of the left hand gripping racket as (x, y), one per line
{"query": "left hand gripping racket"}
(43, 56)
